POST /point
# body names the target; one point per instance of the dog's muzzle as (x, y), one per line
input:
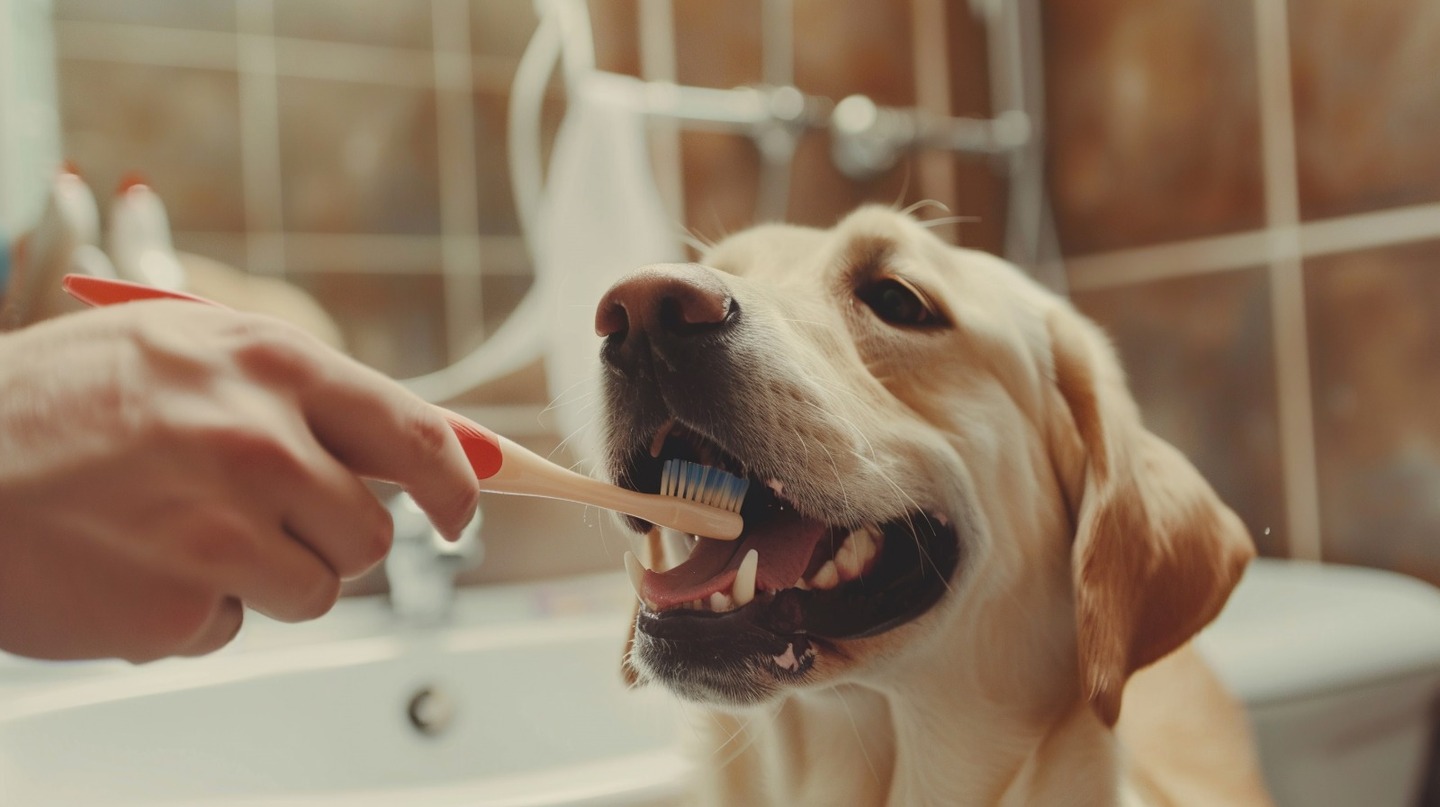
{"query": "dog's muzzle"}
(687, 377)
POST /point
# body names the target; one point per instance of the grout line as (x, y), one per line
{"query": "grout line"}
(1294, 397)
(145, 44)
(296, 57)
(369, 253)
(461, 257)
(1399, 225)
(260, 137)
(930, 31)
(1163, 261)
(658, 63)
(343, 61)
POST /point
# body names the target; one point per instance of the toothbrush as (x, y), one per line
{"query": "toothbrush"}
(697, 499)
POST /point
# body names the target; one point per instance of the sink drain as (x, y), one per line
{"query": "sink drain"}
(431, 710)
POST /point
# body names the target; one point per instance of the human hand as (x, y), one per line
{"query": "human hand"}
(163, 464)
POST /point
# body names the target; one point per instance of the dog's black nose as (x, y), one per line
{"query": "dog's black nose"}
(660, 306)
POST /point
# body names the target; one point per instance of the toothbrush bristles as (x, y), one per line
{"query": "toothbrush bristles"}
(705, 484)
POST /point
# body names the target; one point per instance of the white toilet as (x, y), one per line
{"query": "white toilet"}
(1340, 670)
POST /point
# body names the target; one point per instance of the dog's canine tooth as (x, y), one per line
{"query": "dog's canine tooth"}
(637, 573)
(744, 589)
(827, 577)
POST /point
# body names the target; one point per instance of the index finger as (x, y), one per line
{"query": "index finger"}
(381, 430)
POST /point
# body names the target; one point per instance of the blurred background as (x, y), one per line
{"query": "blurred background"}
(1245, 193)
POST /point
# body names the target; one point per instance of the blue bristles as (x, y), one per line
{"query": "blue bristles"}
(704, 484)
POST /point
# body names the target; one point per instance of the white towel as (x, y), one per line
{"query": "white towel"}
(601, 216)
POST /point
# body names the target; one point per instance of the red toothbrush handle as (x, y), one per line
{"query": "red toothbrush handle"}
(98, 291)
(482, 446)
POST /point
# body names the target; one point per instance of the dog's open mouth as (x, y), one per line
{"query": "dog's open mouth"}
(790, 577)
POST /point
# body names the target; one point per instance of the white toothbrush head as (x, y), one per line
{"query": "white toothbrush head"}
(705, 484)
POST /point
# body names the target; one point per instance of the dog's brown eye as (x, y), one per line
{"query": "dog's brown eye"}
(898, 302)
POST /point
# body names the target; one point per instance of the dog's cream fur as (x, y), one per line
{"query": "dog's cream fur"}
(1092, 549)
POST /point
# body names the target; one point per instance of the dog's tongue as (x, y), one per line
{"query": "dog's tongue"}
(785, 541)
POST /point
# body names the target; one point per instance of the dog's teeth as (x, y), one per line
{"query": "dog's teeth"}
(637, 573)
(719, 602)
(868, 551)
(801, 584)
(827, 577)
(848, 560)
(744, 589)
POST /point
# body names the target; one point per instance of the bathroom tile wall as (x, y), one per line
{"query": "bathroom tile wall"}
(1367, 110)
(185, 140)
(1154, 126)
(1245, 193)
(1197, 351)
(1375, 319)
(869, 49)
(304, 138)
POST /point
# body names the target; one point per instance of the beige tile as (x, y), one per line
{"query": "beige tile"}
(1198, 355)
(358, 158)
(226, 248)
(210, 15)
(980, 189)
(865, 49)
(1153, 121)
(178, 127)
(397, 23)
(722, 178)
(499, 294)
(496, 200)
(717, 44)
(502, 293)
(1374, 323)
(616, 26)
(1367, 105)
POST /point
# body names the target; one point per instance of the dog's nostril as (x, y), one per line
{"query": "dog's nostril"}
(611, 320)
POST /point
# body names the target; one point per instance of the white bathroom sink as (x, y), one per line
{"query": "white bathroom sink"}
(522, 704)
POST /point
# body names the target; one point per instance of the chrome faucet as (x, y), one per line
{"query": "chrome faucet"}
(422, 565)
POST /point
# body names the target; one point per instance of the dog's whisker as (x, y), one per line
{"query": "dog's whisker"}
(839, 478)
(798, 321)
(923, 204)
(559, 397)
(744, 726)
(931, 224)
(565, 441)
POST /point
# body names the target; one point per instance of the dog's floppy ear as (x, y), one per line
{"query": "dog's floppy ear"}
(1156, 553)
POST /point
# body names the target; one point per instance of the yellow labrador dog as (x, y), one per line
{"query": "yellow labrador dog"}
(962, 550)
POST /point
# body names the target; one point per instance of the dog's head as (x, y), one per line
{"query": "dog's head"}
(945, 463)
